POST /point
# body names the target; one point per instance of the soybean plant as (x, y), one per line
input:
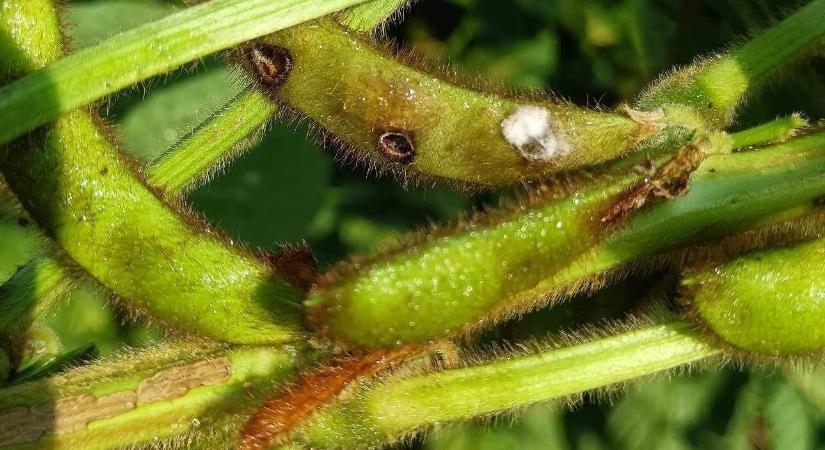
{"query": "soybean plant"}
(266, 352)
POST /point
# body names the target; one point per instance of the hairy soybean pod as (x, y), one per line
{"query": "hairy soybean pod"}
(491, 268)
(457, 280)
(154, 255)
(768, 302)
(401, 118)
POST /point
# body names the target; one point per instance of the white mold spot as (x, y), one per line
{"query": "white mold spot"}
(530, 129)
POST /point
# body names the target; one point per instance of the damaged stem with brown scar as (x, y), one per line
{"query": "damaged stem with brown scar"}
(169, 394)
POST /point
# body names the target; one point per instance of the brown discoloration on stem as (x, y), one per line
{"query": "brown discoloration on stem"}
(22, 425)
(271, 424)
(66, 415)
(71, 414)
(670, 181)
(177, 381)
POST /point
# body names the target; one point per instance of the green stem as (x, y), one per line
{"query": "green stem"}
(189, 394)
(728, 193)
(215, 142)
(781, 44)
(143, 52)
(778, 130)
(366, 17)
(396, 407)
(715, 87)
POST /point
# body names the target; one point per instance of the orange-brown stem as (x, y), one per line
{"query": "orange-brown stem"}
(271, 424)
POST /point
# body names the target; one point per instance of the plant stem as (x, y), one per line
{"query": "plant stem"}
(216, 141)
(177, 395)
(715, 87)
(395, 407)
(146, 51)
(373, 14)
(781, 44)
(778, 130)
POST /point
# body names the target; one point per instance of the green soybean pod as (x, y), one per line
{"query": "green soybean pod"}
(400, 118)
(769, 302)
(154, 254)
(444, 282)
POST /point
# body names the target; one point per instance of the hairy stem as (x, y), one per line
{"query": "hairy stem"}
(778, 130)
(177, 395)
(391, 408)
(216, 141)
(715, 87)
(366, 17)
(143, 52)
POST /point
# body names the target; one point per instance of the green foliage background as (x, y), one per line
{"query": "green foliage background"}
(596, 52)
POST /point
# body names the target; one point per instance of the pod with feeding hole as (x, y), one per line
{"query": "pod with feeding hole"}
(398, 116)
(768, 302)
(270, 63)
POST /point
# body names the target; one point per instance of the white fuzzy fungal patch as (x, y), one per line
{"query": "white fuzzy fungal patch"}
(530, 129)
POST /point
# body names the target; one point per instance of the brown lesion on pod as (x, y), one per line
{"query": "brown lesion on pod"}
(668, 182)
(397, 146)
(272, 64)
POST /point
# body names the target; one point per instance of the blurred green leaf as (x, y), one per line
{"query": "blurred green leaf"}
(811, 383)
(662, 414)
(92, 22)
(539, 428)
(168, 113)
(789, 419)
(271, 194)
